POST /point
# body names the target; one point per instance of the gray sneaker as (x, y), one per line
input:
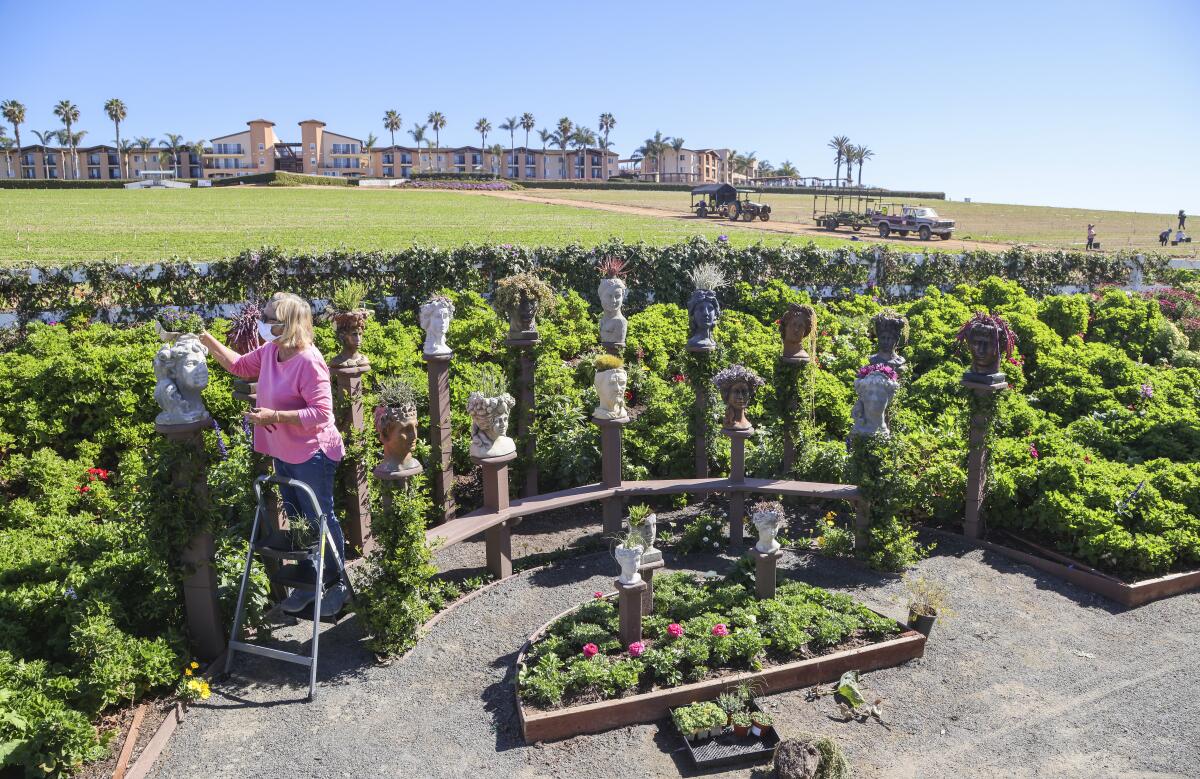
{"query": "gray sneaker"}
(334, 599)
(299, 600)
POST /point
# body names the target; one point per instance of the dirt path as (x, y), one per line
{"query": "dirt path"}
(783, 228)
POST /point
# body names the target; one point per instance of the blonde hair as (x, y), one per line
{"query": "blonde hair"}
(295, 314)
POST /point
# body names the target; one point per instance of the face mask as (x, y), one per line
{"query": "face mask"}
(264, 332)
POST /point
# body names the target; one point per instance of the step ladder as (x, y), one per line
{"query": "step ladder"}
(275, 545)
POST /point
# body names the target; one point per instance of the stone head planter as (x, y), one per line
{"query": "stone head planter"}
(738, 386)
(181, 374)
(703, 314)
(349, 326)
(613, 325)
(610, 387)
(876, 385)
(522, 320)
(630, 559)
(767, 518)
(989, 338)
(796, 327)
(521, 298)
(489, 425)
(648, 530)
(891, 333)
(397, 428)
(435, 316)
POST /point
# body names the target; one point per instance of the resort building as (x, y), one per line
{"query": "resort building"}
(95, 163)
(520, 163)
(686, 166)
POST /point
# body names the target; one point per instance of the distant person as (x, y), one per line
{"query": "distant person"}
(1182, 219)
(1164, 236)
(1091, 236)
(1181, 237)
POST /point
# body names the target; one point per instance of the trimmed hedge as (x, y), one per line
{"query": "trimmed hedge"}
(280, 178)
(652, 186)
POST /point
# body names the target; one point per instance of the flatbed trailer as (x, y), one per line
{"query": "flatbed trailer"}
(853, 211)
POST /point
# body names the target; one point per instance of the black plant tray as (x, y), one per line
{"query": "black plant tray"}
(729, 749)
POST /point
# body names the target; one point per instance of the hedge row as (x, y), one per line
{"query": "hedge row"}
(652, 186)
(657, 273)
(279, 178)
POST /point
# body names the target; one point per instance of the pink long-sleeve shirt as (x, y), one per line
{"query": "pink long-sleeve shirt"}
(300, 383)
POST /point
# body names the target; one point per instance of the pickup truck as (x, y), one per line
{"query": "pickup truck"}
(922, 220)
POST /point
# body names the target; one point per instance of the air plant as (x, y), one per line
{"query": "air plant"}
(397, 393)
(1006, 339)
(707, 275)
(727, 377)
(242, 335)
(613, 268)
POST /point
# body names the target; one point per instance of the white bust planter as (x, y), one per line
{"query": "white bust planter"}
(181, 374)
(610, 386)
(649, 531)
(435, 316)
(767, 524)
(489, 425)
(630, 559)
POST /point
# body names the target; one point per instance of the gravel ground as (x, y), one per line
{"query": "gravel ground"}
(1031, 678)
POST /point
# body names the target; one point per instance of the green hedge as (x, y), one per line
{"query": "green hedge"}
(668, 187)
(279, 178)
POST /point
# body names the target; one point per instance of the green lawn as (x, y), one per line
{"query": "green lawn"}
(147, 225)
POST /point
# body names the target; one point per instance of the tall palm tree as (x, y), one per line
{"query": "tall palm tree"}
(655, 147)
(786, 168)
(511, 124)
(527, 124)
(562, 138)
(839, 143)
(165, 158)
(68, 112)
(418, 134)
(483, 127)
(7, 144)
(144, 145)
(392, 122)
(582, 139)
(45, 139)
(862, 153)
(497, 152)
(368, 148)
(14, 113)
(116, 112)
(172, 145)
(677, 146)
(72, 141)
(437, 121)
(124, 146)
(607, 123)
(197, 148)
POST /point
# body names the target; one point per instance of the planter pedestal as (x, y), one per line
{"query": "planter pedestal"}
(524, 411)
(205, 633)
(498, 538)
(765, 567)
(610, 470)
(647, 571)
(977, 457)
(358, 504)
(390, 481)
(629, 609)
(437, 366)
(737, 475)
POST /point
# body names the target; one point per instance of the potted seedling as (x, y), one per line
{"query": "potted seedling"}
(926, 600)
(689, 721)
(760, 723)
(731, 703)
(715, 718)
(643, 519)
(742, 723)
(349, 320)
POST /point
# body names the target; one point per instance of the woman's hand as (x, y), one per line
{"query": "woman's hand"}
(262, 416)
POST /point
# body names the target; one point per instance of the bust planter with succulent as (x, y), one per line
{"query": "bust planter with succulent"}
(349, 321)
(767, 516)
(628, 554)
(489, 408)
(875, 386)
(891, 333)
(926, 600)
(521, 298)
(396, 423)
(989, 337)
(610, 382)
(738, 385)
(703, 309)
(612, 293)
(644, 521)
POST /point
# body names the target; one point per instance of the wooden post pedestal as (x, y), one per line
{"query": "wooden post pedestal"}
(765, 567)
(647, 573)
(437, 366)
(357, 527)
(629, 610)
(737, 475)
(525, 401)
(610, 470)
(977, 458)
(498, 538)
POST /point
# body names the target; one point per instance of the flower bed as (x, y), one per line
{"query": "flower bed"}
(481, 186)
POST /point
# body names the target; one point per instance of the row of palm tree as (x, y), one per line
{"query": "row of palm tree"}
(566, 133)
(850, 154)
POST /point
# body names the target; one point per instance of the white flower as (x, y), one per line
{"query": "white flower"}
(716, 545)
(705, 539)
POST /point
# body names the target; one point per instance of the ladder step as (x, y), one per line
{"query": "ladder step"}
(281, 554)
(274, 654)
(294, 576)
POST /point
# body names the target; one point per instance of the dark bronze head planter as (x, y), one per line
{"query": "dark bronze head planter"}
(796, 327)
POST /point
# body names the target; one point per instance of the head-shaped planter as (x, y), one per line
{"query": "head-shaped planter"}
(767, 516)
(989, 338)
(703, 313)
(521, 298)
(489, 423)
(435, 316)
(181, 374)
(738, 386)
(891, 333)
(796, 327)
(611, 381)
(876, 385)
(613, 324)
(348, 326)
(397, 428)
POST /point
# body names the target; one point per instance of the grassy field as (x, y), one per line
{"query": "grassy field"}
(1064, 228)
(143, 225)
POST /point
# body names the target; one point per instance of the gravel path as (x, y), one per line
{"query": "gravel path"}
(1031, 678)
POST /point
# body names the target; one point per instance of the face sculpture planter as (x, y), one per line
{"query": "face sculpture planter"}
(988, 338)
(397, 428)
(181, 374)
(613, 324)
(349, 326)
(489, 423)
(796, 327)
(738, 386)
(703, 313)
(521, 298)
(767, 517)
(435, 316)
(610, 382)
(876, 385)
(644, 522)
(630, 559)
(891, 333)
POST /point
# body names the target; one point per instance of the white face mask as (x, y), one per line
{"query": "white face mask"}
(264, 332)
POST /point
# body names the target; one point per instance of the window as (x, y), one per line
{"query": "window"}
(229, 148)
(114, 173)
(27, 159)
(345, 162)
(93, 173)
(531, 171)
(29, 173)
(512, 174)
(137, 158)
(312, 147)
(405, 172)
(195, 172)
(345, 148)
(388, 172)
(260, 148)
(476, 159)
(113, 159)
(388, 159)
(93, 159)
(460, 159)
(405, 158)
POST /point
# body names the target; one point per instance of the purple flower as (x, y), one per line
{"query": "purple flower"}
(1147, 391)
(71, 593)
(722, 239)
(220, 441)
(886, 370)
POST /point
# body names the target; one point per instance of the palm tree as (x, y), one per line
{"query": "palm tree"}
(197, 148)
(45, 139)
(368, 148)
(392, 123)
(677, 145)
(165, 158)
(124, 146)
(497, 152)
(607, 123)
(418, 134)
(654, 147)
(839, 143)
(765, 168)
(562, 138)
(527, 124)
(144, 145)
(863, 153)
(68, 112)
(511, 124)
(172, 145)
(116, 112)
(438, 122)
(786, 168)
(483, 127)
(7, 145)
(72, 141)
(582, 138)
(14, 113)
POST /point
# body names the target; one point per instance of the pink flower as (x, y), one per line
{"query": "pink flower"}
(886, 370)
(597, 595)
(719, 629)
(590, 650)
(674, 630)
(678, 378)
(636, 649)
(1033, 452)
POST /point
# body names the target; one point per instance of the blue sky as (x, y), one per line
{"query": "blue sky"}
(1089, 104)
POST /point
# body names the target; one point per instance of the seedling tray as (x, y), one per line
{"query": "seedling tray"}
(729, 749)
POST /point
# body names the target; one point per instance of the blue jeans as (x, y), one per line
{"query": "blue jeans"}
(318, 473)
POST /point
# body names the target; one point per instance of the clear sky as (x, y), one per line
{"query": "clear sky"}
(1089, 104)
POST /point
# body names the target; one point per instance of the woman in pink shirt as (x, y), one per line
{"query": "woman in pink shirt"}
(294, 425)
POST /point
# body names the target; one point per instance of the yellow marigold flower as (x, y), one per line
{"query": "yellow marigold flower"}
(187, 671)
(195, 664)
(204, 691)
(829, 522)
(193, 685)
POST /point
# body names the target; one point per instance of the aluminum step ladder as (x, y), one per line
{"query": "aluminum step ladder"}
(278, 546)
